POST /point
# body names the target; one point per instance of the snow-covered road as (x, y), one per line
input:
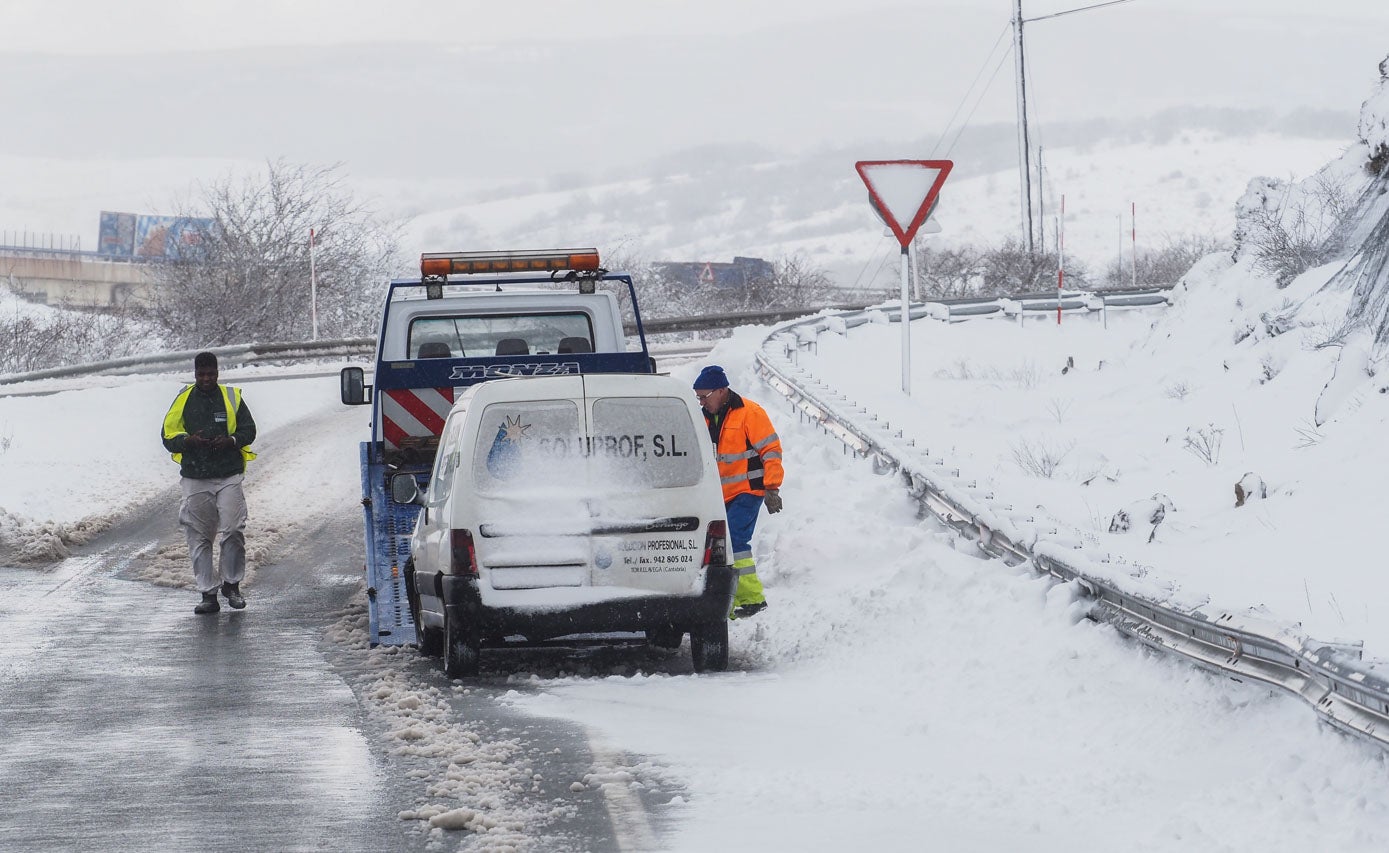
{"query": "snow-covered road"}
(900, 694)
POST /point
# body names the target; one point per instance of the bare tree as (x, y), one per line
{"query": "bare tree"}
(34, 340)
(1289, 229)
(248, 277)
(1166, 264)
(953, 272)
(793, 283)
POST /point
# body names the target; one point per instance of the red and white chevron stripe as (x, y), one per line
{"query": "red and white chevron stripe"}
(409, 412)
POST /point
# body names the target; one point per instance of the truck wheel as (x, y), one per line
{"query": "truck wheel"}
(462, 648)
(709, 646)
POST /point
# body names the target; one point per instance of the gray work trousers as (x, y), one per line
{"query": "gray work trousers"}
(215, 508)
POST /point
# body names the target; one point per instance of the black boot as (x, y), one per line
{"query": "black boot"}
(749, 610)
(208, 604)
(233, 593)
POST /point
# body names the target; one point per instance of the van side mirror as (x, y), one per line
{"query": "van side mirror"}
(355, 391)
(404, 489)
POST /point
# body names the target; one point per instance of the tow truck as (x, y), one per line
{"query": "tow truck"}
(468, 318)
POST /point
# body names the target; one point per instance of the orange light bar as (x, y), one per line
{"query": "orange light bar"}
(434, 264)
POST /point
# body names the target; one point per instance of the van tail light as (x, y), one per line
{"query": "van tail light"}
(463, 560)
(716, 544)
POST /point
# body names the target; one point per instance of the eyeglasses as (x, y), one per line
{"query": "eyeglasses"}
(702, 396)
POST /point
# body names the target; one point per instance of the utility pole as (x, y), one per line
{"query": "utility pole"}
(1024, 145)
(1024, 157)
(1041, 203)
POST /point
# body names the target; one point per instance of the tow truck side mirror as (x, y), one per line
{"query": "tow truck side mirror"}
(404, 489)
(355, 391)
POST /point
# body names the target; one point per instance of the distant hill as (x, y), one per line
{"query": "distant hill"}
(1183, 170)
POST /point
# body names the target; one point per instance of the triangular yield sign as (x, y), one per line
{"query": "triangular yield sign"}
(903, 191)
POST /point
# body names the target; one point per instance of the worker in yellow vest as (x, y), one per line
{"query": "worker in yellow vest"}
(749, 456)
(209, 431)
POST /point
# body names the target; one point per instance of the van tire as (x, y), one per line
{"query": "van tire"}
(462, 648)
(429, 641)
(709, 646)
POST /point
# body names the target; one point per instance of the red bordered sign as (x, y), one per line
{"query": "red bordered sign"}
(903, 191)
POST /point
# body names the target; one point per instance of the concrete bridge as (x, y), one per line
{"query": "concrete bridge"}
(64, 277)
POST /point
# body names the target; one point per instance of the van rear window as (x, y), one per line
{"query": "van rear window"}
(648, 442)
(535, 443)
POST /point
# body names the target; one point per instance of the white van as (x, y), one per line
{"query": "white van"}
(570, 505)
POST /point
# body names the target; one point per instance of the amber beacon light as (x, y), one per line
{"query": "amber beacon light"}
(443, 264)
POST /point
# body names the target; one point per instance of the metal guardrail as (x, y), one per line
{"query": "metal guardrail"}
(244, 354)
(228, 356)
(1347, 692)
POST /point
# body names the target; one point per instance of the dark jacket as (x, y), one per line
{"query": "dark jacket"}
(206, 415)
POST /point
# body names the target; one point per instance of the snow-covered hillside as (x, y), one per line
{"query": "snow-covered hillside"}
(746, 201)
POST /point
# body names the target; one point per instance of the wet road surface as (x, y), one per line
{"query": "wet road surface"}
(127, 722)
(131, 723)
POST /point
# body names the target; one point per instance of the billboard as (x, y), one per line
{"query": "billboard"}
(116, 235)
(126, 235)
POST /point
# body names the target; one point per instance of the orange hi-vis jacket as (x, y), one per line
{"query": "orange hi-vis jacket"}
(747, 448)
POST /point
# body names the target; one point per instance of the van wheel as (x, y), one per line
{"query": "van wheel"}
(462, 648)
(709, 646)
(429, 641)
(665, 638)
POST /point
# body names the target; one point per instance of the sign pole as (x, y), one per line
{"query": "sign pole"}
(906, 327)
(902, 194)
(313, 287)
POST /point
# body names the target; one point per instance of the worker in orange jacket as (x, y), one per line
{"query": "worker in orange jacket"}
(749, 455)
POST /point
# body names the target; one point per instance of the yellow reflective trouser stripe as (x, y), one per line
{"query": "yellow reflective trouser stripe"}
(744, 565)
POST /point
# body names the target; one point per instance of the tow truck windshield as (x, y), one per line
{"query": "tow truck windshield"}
(500, 334)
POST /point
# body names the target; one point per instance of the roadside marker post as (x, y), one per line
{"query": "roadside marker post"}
(903, 193)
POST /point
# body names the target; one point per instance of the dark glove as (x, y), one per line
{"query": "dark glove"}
(222, 442)
(773, 500)
(195, 442)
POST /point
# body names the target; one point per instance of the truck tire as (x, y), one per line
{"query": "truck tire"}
(462, 648)
(709, 646)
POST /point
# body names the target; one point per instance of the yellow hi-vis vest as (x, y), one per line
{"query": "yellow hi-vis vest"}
(173, 421)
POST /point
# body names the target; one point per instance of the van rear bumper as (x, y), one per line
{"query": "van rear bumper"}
(683, 612)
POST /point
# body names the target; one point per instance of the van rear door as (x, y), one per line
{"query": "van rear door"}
(651, 507)
(530, 491)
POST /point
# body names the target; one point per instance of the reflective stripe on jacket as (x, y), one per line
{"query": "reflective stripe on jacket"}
(747, 448)
(176, 431)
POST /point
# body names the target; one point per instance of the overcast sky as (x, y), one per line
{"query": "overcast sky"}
(488, 92)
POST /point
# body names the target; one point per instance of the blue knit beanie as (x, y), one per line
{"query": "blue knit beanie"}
(711, 377)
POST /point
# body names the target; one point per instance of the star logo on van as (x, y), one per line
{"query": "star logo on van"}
(513, 430)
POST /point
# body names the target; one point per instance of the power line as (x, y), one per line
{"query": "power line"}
(973, 83)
